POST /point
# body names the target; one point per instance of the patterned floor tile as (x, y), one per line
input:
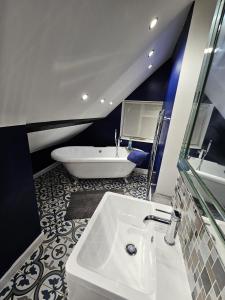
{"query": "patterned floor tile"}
(31, 292)
(43, 274)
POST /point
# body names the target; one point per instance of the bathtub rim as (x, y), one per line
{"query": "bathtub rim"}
(209, 176)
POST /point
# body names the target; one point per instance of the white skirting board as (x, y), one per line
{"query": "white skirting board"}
(20, 261)
(45, 170)
(52, 166)
(141, 171)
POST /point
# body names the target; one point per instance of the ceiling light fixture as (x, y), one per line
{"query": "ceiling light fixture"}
(150, 66)
(153, 23)
(216, 50)
(208, 50)
(102, 100)
(84, 97)
(151, 53)
(110, 103)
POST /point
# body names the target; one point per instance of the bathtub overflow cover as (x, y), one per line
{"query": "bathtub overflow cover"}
(131, 249)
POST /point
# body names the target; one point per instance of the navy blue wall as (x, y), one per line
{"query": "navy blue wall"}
(215, 131)
(155, 87)
(176, 62)
(42, 159)
(19, 221)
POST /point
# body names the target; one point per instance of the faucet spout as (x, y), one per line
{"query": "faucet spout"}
(173, 223)
(157, 219)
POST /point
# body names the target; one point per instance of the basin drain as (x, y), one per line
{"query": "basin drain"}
(131, 249)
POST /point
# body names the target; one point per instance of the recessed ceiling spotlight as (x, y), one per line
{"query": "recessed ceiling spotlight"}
(84, 96)
(216, 50)
(150, 66)
(153, 23)
(208, 50)
(102, 100)
(151, 53)
(110, 103)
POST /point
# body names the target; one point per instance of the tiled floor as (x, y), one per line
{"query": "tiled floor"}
(43, 274)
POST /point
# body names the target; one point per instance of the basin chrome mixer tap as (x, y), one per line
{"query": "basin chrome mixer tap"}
(173, 223)
(172, 230)
(203, 154)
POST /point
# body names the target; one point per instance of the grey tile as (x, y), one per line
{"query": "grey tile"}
(205, 280)
(216, 289)
(219, 274)
(199, 282)
(210, 243)
(194, 257)
(201, 262)
(194, 294)
(199, 250)
(195, 276)
(222, 294)
(214, 254)
(210, 272)
(201, 295)
(211, 262)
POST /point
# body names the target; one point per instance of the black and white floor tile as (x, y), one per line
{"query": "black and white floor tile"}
(43, 274)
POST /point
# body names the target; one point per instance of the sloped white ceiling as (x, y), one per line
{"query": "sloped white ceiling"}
(52, 51)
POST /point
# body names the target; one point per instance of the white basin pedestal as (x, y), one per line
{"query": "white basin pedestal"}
(99, 268)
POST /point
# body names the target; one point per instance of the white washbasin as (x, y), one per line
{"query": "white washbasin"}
(100, 260)
(99, 268)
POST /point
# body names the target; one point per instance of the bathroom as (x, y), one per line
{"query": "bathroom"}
(112, 153)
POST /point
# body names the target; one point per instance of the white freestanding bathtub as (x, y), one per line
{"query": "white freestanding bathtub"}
(94, 162)
(213, 175)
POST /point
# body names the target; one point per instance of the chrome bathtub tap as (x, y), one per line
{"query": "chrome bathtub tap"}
(117, 143)
(203, 153)
(173, 223)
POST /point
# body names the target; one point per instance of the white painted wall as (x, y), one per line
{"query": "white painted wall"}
(192, 61)
(41, 139)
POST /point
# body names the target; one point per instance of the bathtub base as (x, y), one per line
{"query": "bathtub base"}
(99, 170)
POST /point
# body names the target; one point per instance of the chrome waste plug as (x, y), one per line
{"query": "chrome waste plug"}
(131, 249)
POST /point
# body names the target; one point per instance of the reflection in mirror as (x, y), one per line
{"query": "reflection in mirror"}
(212, 217)
(206, 153)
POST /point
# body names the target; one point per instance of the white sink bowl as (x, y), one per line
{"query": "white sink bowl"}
(99, 266)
